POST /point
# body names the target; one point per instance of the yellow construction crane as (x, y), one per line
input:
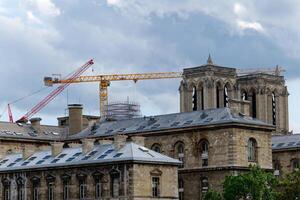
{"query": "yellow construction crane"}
(104, 82)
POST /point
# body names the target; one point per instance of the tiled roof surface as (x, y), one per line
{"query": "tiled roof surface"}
(286, 142)
(74, 156)
(166, 122)
(15, 130)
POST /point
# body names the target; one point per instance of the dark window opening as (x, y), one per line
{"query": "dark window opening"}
(252, 154)
(195, 102)
(204, 153)
(155, 187)
(82, 189)
(202, 98)
(218, 97)
(181, 189)
(50, 191)
(273, 109)
(253, 105)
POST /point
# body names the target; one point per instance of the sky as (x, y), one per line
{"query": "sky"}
(39, 38)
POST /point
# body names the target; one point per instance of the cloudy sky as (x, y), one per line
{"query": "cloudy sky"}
(43, 37)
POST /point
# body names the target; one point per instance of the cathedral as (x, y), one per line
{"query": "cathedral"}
(229, 119)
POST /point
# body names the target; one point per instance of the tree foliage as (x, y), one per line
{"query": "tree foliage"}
(212, 195)
(255, 185)
(290, 186)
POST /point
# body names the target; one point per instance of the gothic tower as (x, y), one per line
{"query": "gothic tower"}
(212, 86)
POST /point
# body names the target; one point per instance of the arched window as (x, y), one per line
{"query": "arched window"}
(20, 188)
(202, 98)
(253, 104)
(66, 179)
(179, 148)
(51, 186)
(35, 187)
(226, 97)
(276, 166)
(252, 146)
(204, 186)
(181, 189)
(195, 99)
(295, 164)
(98, 184)
(156, 147)
(6, 189)
(115, 183)
(204, 152)
(82, 186)
(218, 96)
(273, 109)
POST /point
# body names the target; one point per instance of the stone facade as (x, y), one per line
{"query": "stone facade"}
(134, 182)
(211, 86)
(227, 154)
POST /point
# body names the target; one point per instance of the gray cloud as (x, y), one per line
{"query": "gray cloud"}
(130, 36)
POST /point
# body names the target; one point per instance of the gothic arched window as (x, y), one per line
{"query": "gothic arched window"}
(204, 152)
(181, 189)
(115, 183)
(179, 148)
(252, 146)
(204, 186)
(195, 99)
(295, 164)
(273, 109)
(226, 96)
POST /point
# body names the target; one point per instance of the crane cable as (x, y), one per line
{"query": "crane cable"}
(22, 98)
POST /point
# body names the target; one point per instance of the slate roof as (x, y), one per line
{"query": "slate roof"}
(167, 122)
(286, 142)
(73, 156)
(26, 131)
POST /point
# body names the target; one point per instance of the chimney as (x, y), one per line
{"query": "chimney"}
(36, 124)
(139, 140)
(75, 118)
(27, 152)
(240, 106)
(87, 145)
(56, 148)
(119, 141)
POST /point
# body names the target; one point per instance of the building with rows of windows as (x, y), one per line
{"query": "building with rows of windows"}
(228, 120)
(106, 170)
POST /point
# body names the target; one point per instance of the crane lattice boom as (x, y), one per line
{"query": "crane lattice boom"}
(104, 82)
(55, 92)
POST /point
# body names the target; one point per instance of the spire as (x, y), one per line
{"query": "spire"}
(209, 60)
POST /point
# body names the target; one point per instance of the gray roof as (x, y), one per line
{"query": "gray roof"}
(26, 131)
(100, 154)
(286, 142)
(167, 122)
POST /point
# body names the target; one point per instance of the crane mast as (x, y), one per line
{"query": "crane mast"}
(104, 82)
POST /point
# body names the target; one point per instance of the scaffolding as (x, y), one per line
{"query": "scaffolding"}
(122, 110)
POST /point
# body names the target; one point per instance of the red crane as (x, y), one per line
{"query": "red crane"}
(10, 116)
(53, 94)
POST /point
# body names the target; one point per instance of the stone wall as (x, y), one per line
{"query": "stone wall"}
(135, 181)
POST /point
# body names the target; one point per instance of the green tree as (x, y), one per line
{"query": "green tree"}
(290, 186)
(212, 195)
(255, 185)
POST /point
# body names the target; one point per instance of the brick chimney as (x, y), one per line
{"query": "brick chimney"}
(56, 148)
(87, 144)
(27, 152)
(36, 124)
(119, 141)
(75, 118)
